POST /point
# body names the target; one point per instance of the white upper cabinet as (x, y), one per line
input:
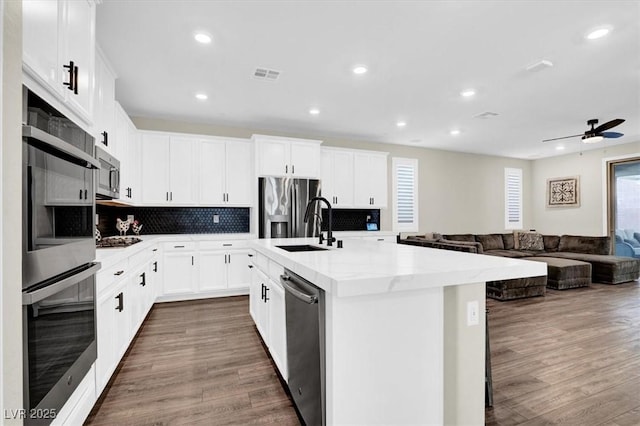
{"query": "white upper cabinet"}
(169, 175)
(104, 96)
(125, 146)
(279, 156)
(59, 50)
(370, 179)
(226, 176)
(337, 177)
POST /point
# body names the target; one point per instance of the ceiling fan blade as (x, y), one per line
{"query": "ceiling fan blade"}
(611, 135)
(564, 137)
(608, 125)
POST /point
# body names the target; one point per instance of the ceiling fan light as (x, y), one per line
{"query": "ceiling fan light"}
(592, 138)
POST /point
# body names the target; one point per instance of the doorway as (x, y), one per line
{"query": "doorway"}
(623, 181)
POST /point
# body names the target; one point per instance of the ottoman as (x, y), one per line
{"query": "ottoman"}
(517, 288)
(565, 273)
(605, 269)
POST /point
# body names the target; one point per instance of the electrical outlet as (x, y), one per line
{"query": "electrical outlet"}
(130, 217)
(216, 218)
(473, 314)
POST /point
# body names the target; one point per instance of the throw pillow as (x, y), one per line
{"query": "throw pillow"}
(551, 242)
(530, 241)
(490, 241)
(508, 241)
(633, 243)
(470, 238)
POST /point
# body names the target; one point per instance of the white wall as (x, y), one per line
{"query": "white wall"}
(457, 192)
(588, 219)
(11, 169)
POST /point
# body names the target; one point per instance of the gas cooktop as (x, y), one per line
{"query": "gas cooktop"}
(117, 242)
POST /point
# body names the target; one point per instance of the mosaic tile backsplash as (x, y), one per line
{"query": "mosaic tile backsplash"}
(176, 220)
(350, 219)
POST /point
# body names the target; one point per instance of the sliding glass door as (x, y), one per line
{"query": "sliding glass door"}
(624, 206)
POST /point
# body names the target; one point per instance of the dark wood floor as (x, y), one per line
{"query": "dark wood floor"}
(572, 357)
(196, 363)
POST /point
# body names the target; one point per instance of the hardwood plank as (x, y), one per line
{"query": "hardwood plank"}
(572, 357)
(196, 363)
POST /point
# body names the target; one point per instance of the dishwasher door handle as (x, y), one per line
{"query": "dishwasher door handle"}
(289, 285)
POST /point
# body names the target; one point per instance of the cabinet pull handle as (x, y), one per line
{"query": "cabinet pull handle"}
(250, 255)
(227, 244)
(262, 296)
(120, 306)
(75, 80)
(85, 194)
(105, 138)
(229, 258)
(118, 273)
(80, 194)
(380, 239)
(155, 249)
(144, 279)
(286, 168)
(171, 196)
(155, 266)
(250, 266)
(266, 295)
(191, 260)
(178, 246)
(70, 67)
(293, 169)
(167, 193)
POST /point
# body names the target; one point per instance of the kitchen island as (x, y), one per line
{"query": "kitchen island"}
(404, 327)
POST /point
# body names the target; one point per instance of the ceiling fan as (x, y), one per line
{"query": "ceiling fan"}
(596, 134)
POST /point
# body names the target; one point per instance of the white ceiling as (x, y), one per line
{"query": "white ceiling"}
(420, 55)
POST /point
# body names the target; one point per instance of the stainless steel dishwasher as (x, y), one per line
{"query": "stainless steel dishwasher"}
(304, 304)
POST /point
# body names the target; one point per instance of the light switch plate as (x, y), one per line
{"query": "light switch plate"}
(216, 218)
(473, 314)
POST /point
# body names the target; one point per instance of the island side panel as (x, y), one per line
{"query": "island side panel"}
(464, 356)
(384, 358)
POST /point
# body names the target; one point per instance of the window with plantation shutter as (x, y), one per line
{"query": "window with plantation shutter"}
(512, 198)
(405, 194)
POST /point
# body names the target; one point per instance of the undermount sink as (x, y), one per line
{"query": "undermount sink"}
(301, 247)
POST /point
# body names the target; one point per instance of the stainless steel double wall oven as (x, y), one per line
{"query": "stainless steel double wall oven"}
(58, 270)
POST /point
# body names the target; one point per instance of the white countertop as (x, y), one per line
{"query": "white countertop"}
(366, 267)
(110, 256)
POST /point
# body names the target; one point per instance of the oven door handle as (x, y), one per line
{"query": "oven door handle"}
(29, 298)
(61, 146)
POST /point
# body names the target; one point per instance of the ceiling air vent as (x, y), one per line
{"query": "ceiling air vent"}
(266, 74)
(486, 115)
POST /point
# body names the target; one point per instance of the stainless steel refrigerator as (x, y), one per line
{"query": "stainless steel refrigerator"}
(282, 205)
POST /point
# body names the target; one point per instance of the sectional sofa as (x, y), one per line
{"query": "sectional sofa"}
(572, 260)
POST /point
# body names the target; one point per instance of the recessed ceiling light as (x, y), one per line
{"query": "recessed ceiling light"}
(202, 38)
(468, 93)
(401, 123)
(454, 132)
(201, 96)
(598, 33)
(314, 111)
(360, 69)
(559, 148)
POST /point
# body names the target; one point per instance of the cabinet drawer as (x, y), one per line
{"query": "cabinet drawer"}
(275, 270)
(261, 261)
(107, 277)
(178, 246)
(143, 256)
(223, 244)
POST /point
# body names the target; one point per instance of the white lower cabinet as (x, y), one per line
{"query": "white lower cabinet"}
(125, 295)
(205, 269)
(267, 308)
(179, 275)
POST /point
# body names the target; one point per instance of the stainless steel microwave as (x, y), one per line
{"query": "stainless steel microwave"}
(108, 183)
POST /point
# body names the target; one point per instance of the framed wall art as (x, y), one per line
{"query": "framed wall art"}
(563, 192)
